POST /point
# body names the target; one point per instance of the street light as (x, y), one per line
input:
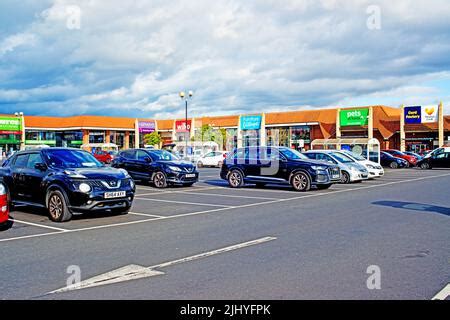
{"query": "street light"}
(183, 97)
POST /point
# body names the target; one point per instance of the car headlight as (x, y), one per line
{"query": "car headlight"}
(132, 184)
(173, 168)
(125, 172)
(370, 166)
(318, 168)
(2, 189)
(84, 187)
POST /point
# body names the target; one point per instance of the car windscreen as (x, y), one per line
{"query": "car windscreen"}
(342, 158)
(162, 155)
(292, 154)
(354, 155)
(71, 159)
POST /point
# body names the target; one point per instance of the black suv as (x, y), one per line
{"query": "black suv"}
(279, 165)
(157, 166)
(66, 181)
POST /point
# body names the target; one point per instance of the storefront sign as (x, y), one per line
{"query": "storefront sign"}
(429, 114)
(421, 114)
(146, 126)
(354, 117)
(180, 126)
(251, 122)
(413, 115)
(38, 142)
(10, 125)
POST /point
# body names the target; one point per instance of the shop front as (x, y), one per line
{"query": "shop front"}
(183, 130)
(251, 130)
(10, 134)
(297, 137)
(145, 127)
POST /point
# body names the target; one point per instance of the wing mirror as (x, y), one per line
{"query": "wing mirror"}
(148, 159)
(40, 166)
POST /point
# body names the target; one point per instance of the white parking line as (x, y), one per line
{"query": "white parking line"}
(225, 195)
(133, 272)
(175, 191)
(183, 202)
(145, 214)
(443, 294)
(38, 225)
(317, 194)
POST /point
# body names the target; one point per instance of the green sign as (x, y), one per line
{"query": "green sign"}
(354, 117)
(37, 142)
(11, 124)
(9, 141)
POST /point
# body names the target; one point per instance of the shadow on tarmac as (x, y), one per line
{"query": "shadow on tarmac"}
(414, 206)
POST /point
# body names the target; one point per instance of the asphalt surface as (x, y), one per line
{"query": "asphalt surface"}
(320, 243)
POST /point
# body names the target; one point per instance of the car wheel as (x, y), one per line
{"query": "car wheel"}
(57, 206)
(300, 182)
(323, 186)
(424, 166)
(345, 178)
(236, 179)
(393, 165)
(200, 164)
(159, 180)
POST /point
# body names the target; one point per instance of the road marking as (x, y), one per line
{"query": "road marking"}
(174, 191)
(133, 272)
(225, 195)
(443, 294)
(183, 202)
(145, 214)
(38, 225)
(221, 209)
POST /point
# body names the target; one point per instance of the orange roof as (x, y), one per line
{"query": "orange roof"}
(219, 121)
(84, 121)
(165, 124)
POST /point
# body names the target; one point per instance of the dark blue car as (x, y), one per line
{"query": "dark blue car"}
(66, 181)
(279, 165)
(159, 167)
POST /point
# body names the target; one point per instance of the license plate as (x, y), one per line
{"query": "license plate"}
(190, 175)
(114, 194)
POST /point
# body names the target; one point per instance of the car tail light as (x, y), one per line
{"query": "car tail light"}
(4, 210)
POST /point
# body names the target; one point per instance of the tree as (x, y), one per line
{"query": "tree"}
(152, 139)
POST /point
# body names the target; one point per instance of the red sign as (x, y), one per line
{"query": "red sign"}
(10, 132)
(180, 126)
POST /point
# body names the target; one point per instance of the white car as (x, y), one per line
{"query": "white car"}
(375, 170)
(212, 159)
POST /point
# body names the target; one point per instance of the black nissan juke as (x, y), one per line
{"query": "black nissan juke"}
(66, 181)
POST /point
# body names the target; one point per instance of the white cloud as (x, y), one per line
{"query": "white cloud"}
(133, 57)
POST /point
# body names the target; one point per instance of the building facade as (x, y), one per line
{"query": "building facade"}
(294, 129)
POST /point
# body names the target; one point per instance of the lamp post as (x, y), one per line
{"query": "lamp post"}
(186, 98)
(22, 126)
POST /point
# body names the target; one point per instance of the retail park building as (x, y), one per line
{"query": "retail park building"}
(294, 129)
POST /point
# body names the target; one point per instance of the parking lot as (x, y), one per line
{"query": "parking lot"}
(180, 222)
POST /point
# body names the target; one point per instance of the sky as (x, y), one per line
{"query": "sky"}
(132, 58)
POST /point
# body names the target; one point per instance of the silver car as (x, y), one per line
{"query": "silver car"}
(351, 170)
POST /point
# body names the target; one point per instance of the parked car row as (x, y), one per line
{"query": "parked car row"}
(68, 181)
